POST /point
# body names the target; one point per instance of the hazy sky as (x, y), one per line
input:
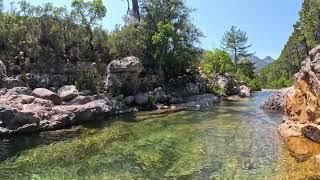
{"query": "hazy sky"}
(268, 23)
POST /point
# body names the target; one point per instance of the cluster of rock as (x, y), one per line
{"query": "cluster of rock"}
(229, 85)
(302, 106)
(277, 101)
(301, 124)
(24, 111)
(39, 102)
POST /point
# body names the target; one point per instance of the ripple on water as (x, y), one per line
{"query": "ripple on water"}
(234, 140)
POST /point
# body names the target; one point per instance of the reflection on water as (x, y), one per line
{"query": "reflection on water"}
(234, 140)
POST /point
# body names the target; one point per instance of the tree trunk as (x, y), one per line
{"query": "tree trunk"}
(135, 10)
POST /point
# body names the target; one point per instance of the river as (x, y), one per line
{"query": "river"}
(233, 140)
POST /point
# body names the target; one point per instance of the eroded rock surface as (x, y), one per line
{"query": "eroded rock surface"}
(123, 75)
(302, 105)
(21, 112)
(277, 101)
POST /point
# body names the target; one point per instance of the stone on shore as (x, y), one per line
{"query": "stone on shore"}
(47, 94)
(277, 101)
(68, 92)
(123, 75)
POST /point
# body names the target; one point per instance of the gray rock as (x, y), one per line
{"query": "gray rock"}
(3, 70)
(277, 101)
(192, 89)
(123, 75)
(160, 95)
(244, 91)
(30, 114)
(68, 92)
(18, 91)
(129, 100)
(11, 83)
(312, 133)
(47, 94)
(201, 101)
(141, 99)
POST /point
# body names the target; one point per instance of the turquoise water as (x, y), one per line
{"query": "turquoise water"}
(234, 140)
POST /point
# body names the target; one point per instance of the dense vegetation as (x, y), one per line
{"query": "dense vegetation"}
(47, 36)
(305, 36)
(232, 58)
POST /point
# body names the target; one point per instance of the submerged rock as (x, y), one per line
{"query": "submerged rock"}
(200, 102)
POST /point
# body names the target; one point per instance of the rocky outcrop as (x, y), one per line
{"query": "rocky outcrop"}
(47, 94)
(226, 84)
(21, 112)
(68, 92)
(277, 101)
(302, 105)
(123, 75)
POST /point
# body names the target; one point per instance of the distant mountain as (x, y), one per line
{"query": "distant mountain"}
(260, 63)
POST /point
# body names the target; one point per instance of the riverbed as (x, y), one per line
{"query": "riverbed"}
(233, 140)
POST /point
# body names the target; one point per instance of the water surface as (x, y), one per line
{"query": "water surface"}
(234, 140)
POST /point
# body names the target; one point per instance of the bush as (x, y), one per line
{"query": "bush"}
(90, 81)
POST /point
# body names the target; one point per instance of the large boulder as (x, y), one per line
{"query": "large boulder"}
(302, 105)
(68, 92)
(244, 91)
(47, 94)
(226, 84)
(21, 113)
(276, 102)
(3, 70)
(123, 75)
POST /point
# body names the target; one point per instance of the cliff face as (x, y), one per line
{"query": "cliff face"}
(303, 105)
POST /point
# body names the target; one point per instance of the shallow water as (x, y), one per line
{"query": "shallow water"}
(234, 140)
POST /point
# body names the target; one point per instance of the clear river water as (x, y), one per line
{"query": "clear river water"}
(233, 140)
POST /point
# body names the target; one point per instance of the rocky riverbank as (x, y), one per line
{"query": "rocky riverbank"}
(300, 104)
(39, 102)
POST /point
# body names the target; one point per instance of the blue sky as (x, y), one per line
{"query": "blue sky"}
(268, 23)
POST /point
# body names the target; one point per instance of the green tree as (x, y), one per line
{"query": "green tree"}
(89, 13)
(235, 41)
(182, 49)
(162, 41)
(217, 61)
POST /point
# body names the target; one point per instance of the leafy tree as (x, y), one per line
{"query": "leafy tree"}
(89, 13)
(162, 41)
(127, 41)
(236, 42)
(217, 61)
(181, 48)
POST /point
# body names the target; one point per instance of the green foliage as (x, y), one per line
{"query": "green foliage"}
(218, 91)
(304, 37)
(171, 37)
(127, 41)
(236, 42)
(90, 81)
(217, 61)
